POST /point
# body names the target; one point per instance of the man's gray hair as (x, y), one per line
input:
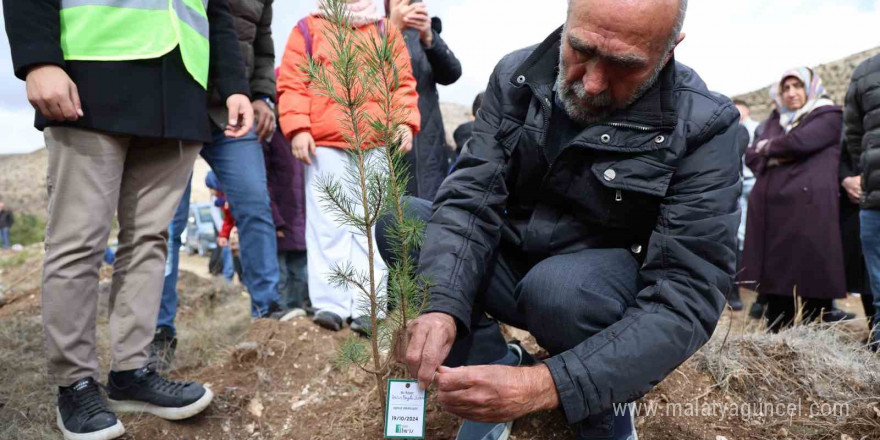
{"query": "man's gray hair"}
(679, 24)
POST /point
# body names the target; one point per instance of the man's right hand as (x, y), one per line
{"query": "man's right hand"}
(52, 93)
(428, 342)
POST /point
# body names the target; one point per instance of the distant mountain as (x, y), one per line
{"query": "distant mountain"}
(23, 182)
(835, 75)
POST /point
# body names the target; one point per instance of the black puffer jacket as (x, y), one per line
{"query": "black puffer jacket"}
(862, 128)
(660, 178)
(253, 24)
(429, 160)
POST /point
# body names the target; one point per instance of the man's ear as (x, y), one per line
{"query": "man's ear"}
(678, 41)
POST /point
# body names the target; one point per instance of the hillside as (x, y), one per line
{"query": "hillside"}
(835, 75)
(23, 182)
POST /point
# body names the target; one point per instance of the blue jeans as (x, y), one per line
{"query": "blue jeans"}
(4, 237)
(228, 267)
(870, 232)
(240, 166)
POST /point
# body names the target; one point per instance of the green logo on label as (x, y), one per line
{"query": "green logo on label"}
(399, 429)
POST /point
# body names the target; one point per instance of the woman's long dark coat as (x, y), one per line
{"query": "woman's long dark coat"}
(793, 227)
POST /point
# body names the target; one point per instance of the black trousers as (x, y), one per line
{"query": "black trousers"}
(781, 310)
(562, 301)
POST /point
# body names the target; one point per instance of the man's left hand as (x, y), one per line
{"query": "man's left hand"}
(495, 393)
(241, 116)
(265, 119)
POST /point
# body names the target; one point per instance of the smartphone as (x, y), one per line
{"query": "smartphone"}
(412, 2)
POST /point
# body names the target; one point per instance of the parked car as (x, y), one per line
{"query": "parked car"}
(201, 235)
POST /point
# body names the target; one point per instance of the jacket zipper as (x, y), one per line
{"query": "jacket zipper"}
(629, 126)
(547, 109)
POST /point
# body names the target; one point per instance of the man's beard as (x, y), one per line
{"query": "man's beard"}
(588, 109)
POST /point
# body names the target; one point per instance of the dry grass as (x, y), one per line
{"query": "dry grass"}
(212, 317)
(812, 364)
(26, 401)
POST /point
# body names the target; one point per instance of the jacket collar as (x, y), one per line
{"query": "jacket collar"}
(656, 109)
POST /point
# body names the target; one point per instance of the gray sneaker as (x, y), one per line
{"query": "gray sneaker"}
(362, 325)
(470, 430)
(328, 320)
(484, 431)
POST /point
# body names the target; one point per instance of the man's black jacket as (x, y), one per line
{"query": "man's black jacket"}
(862, 129)
(150, 98)
(660, 178)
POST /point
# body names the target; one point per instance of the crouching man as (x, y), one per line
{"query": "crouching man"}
(595, 207)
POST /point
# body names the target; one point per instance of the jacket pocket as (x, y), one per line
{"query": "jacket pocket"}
(632, 189)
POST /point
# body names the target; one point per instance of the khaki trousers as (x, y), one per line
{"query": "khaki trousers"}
(93, 176)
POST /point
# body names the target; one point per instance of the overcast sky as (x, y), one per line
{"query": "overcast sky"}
(735, 46)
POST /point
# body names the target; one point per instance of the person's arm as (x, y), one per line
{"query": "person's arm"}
(811, 137)
(227, 72)
(34, 31)
(294, 97)
(262, 81)
(854, 129)
(466, 226)
(845, 169)
(688, 272)
(406, 94)
(444, 64)
(228, 224)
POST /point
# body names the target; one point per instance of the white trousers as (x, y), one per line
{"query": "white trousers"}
(330, 243)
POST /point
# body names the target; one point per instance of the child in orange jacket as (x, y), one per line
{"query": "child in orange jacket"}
(312, 123)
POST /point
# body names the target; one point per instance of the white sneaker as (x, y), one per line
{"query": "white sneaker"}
(295, 313)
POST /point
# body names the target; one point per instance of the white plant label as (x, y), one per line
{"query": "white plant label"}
(405, 410)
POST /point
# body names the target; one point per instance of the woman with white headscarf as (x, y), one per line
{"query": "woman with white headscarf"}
(793, 246)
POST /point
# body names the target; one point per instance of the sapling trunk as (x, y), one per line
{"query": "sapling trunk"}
(366, 69)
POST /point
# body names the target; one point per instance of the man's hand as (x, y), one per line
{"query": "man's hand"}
(428, 341)
(495, 393)
(222, 242)
(265, 119)
(52, 93)
(303, 146)
(405, 136)
(853, 187)
(419, 19)
(241, 116)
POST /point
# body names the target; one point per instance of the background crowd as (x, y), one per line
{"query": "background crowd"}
(807, 174)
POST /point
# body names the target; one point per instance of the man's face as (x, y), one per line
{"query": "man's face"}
(612, 53)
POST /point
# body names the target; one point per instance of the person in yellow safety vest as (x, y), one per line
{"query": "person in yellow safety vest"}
(120, 92)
